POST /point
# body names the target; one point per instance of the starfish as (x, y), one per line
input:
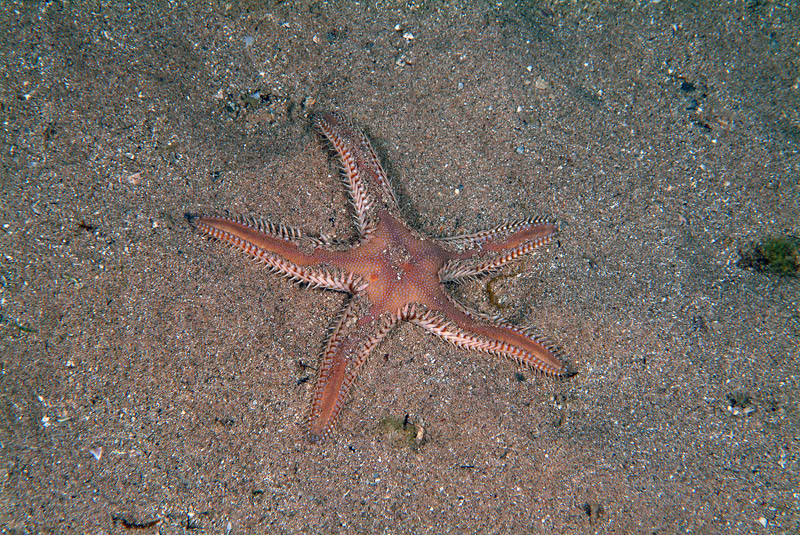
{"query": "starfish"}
(391, 272)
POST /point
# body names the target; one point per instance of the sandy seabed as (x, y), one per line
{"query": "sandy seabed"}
(155, 382)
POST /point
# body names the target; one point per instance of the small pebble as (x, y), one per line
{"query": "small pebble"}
(741, 411)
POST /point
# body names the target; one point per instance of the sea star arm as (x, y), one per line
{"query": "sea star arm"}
(462, 328)
(489, 250)
(361, 169)
(278, 246)
(352, 338)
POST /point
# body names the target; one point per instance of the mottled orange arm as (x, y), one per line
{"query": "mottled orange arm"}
(276, 246)
(508, 242)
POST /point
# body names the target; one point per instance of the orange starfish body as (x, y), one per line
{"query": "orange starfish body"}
(391, 272)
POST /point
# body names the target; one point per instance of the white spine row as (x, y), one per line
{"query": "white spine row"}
(359, 197)
(437, 325)
(355, 361)
(456, 270)
(469, 241)
(383, 180)
(316, 278)
(361, 200)
(520, 250)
